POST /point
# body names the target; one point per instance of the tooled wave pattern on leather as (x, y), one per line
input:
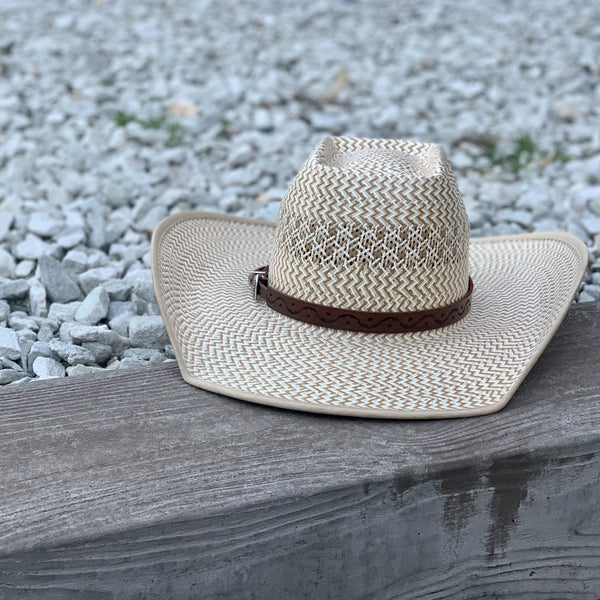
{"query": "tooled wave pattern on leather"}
(364, 321)
(383, 324)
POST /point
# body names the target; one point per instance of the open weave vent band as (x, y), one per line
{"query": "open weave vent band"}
(373, 225)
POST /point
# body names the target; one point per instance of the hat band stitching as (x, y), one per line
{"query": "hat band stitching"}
(356, 320)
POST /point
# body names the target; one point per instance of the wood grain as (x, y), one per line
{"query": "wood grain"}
(137, 485)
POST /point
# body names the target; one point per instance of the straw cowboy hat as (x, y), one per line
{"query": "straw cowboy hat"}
(367, 298)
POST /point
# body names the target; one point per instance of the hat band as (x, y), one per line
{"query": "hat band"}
(358, 320)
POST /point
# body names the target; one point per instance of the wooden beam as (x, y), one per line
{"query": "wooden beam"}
(134, 484)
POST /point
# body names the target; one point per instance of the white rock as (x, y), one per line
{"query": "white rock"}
(81, 259)
(151, 219)
(173, 196)
(547, 225)
(75, 261)
(538, 200)
(74, 355)
(32, 247)
(329, 123)
(586, 297)
(47, 368)
(128, 253)
(92, 278)
(6, 221)
(19, 320)
(59, 285)
(39, 348)
(71, 181)
(45, 224)
(117, 139)
(11, 364)
(137, 133)
(575, 227)
(242, 176)
(595, 206)
(9, 344)
(79, 370)
(117, 289)
(140, 208)
(143, 299)
(4, 310)
(7, 264)
(63, 312)
(148, 332)
(55, 117)
(476, 217)
(83, 333)
(57, 195)
(94, 308)
(593, 290)
(132, 361)
(69, 238)
(64, 332)
(262, 119)
(506, 229)
(461, 160)
(98, 333)
(229, 202)
(117, 342)
(466, 89)
(46, 333)
(97, 235)
(26, 335)
(10, 376)
(268, 213)
(587, 194)
(591, 224)
(12, 289)
(37, 299)
(120, 323)
(25, 268)
(149, 354)
(113, 364)
(567, 110)
(117, 224)
(102, 352)
(241, 155)
(118, 308)
(521, 217)
(25, 348)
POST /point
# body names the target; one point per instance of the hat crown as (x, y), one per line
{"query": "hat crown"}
(373, 225)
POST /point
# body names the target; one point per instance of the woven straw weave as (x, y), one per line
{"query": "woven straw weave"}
(373, 225)
(229, 343)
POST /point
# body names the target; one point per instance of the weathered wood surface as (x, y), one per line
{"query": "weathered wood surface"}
(136, 485)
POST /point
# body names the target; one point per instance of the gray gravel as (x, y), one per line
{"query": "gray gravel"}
(115, 114)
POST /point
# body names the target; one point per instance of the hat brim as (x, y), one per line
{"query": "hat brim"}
(229, 343)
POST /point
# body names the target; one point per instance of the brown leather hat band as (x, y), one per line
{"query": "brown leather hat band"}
(358, 320)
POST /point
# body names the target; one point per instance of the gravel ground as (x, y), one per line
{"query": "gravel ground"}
(115, 114)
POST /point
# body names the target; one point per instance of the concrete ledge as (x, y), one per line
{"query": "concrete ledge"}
(136, 485)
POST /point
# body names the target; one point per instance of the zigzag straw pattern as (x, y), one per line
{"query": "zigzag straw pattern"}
(374, 225)
(229, 343)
